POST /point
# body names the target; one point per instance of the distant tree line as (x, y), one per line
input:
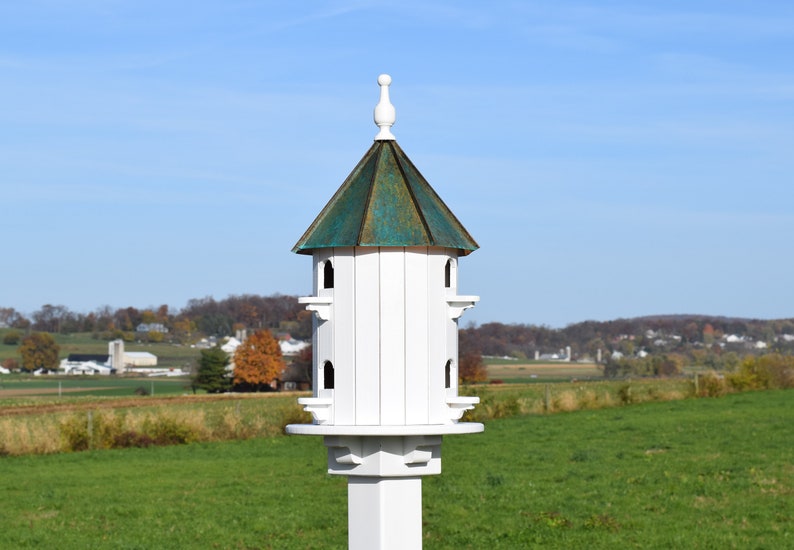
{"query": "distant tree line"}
(200, 317)
(653, 345)
(651, 333)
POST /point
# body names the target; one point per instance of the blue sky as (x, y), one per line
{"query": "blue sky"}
(612, 159)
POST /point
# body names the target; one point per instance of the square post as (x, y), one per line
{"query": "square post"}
(384, 513)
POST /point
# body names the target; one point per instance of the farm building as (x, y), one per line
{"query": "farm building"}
(82, 363)
(134, 359)
(116, 360)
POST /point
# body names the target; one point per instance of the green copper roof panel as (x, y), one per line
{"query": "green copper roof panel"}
(391, 217)
(385, 201)
(440, 221)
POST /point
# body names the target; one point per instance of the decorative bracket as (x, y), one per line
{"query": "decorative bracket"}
(320, 407)
(458, 304)
(348, 451)
(320, 305)
(418, 451)
(384, 456)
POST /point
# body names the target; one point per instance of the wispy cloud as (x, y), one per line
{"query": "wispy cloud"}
(568, 36)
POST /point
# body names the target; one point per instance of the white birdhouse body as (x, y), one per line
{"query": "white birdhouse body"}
(386, 344)
(385, 255)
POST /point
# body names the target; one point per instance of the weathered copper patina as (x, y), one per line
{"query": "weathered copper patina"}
(385, 201)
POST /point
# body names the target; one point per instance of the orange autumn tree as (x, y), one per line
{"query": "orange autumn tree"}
(258, 363)
(471, 368)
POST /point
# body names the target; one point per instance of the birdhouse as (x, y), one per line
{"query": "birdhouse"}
(385, 252)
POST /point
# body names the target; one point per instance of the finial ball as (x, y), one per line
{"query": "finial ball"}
(384, 80)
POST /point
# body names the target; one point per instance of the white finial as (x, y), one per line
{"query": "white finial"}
(385, 114)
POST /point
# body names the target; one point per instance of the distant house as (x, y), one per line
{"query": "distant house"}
(205, 343)
(151, 327)
(562, 355)
(296, 378)
(288, 347)
(292, 346)
(231, 345)
(42, 371)
(83, 363)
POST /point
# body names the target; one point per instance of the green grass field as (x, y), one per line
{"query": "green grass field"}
(697, 473)
(44, 388)
(168, 355)
(57, 388)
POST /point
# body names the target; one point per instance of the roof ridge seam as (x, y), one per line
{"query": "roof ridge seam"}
(414, 200)
(368, 200)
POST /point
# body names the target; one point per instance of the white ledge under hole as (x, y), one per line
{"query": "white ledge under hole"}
(319, 407)
(460, 404)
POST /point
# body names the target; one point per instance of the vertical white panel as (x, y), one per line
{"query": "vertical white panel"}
(392, 336)
(437, 342)
(367, 327)
(344, 342)
(316, 346)
(322, 342)
(416, 336)
(452, 353)
(452, 331)
(453, 269)
(317, 256)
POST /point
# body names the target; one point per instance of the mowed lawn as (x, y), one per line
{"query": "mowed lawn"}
(697, 473)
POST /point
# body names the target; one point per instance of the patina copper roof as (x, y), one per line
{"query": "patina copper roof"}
(385, 201)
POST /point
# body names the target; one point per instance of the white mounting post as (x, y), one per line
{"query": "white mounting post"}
(384, 513)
